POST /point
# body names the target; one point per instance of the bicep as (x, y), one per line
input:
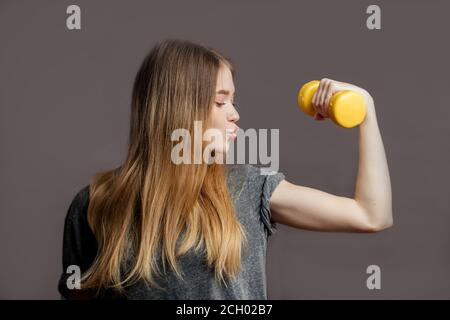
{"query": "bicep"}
(307, 208)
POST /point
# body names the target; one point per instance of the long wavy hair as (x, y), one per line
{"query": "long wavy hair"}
(149, 204)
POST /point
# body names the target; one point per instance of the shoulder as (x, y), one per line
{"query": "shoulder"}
(255, 178)
(255, 185)
(258, 177)
(78, 206)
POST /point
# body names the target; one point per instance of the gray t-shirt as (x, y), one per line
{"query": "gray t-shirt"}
(250, 191)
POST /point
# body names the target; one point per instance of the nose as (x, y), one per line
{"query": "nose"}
(233, 115)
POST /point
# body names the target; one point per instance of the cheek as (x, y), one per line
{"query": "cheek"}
(218, 118)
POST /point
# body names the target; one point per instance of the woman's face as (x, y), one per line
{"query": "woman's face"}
(223, 113)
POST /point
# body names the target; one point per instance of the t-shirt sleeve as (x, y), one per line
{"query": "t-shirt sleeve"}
(266, 184)
(269, 186)
(79, 244)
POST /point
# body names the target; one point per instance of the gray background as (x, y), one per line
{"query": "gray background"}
(64, 103)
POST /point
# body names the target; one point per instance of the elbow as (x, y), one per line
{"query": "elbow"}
(378, 226)
(375, 219)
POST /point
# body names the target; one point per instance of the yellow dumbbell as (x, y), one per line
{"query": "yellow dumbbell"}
(346, 108)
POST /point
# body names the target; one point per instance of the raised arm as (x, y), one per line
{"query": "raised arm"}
(370, 209)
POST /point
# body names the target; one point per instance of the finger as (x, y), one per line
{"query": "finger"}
(316, 105)
(320, 92)
(324, 97)
(314, 99)
(325, 90)
(327, 101)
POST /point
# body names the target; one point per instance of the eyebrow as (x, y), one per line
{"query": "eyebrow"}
(225, 92)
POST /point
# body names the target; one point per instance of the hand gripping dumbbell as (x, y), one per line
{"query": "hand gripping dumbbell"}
(346, 108)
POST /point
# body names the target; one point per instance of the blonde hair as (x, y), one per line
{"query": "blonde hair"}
(147, 202)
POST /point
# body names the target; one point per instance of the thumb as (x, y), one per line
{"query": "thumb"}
(318, 116)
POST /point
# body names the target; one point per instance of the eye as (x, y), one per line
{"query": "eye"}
(220, 104)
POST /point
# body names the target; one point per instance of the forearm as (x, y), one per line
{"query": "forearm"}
(373, 186)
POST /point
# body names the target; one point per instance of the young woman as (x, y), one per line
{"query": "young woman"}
(153, 229)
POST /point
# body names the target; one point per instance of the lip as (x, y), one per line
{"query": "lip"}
(232, 136)
(232, 133)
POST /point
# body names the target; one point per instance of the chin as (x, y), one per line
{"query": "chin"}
(222, 149)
